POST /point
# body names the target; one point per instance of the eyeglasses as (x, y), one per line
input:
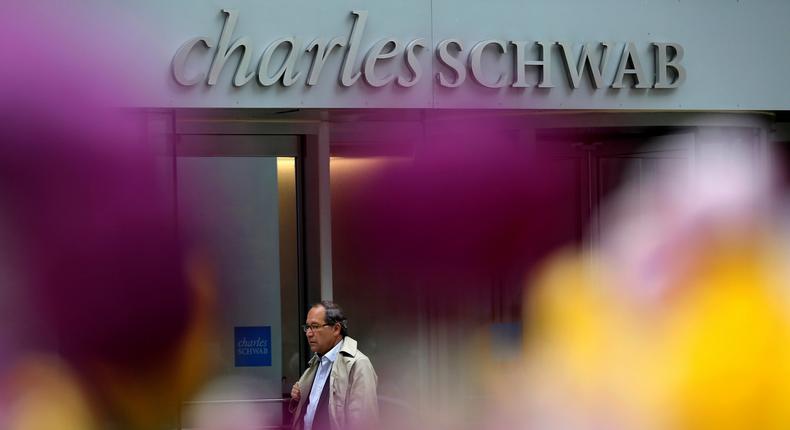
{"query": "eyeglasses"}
(313, 327)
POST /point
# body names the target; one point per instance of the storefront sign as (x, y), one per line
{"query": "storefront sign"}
(605, 55)
(253, 346)
(456, 62)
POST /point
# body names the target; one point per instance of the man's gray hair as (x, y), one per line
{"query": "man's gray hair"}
(334, 315)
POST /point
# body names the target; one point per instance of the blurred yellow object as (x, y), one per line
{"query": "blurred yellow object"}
(47, 395)
(712, 352)
(727, 346)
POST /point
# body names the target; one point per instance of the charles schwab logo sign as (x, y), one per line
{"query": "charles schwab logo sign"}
(456, 62)
(252, 346)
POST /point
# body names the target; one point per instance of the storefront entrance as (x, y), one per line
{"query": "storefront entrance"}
(240, 193)
(248, 194)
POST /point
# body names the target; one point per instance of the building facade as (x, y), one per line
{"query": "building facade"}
(295, 115)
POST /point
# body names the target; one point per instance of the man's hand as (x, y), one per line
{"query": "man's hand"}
(296, 393)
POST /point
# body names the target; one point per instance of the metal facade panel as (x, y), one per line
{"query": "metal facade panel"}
(733, 52)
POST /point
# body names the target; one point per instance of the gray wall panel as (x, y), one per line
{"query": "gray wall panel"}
(735, 51)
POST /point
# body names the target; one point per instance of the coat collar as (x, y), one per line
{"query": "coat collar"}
(349, 349)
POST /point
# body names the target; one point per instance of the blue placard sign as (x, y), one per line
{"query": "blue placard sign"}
(253, 346)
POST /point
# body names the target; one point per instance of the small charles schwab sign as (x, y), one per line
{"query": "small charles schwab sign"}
(253, 346)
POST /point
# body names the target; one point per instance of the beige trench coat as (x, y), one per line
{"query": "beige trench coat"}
(353, 404)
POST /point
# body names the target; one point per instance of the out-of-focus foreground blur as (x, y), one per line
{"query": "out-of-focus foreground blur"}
(155, 267)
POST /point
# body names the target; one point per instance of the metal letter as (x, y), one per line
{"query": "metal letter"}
(224, 52)
(322, 51)
(576, 71)
(180, 60)
(286, 69)
(346, 79)
(375, 53)
(451, 62)
(475, 58)
(412, 63)
(662, 65)
(630, 54)
(544, 63)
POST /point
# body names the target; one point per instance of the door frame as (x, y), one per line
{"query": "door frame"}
(166, 129)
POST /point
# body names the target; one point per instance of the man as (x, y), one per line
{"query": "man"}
(338, 390)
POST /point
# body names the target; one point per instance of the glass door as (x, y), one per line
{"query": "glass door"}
(239, 194)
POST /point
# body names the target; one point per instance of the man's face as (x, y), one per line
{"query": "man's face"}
(322, 338)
